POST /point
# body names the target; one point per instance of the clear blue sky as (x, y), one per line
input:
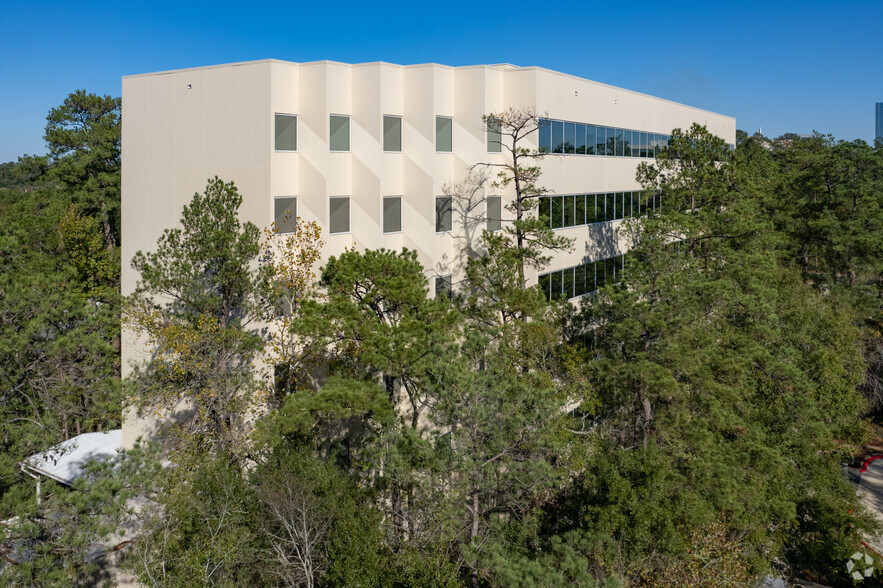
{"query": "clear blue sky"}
(786, 66)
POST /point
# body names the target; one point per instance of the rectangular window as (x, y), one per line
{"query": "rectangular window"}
(283, 382)
(544, 283)
(392, 133)
(569, 137)
(568, 205)
(618, 143)
(580, 210)
(443, 214)
(580, 139)
(556, 212)
(590, 140)
(611, 207)
(601, 141)
(443, 287)
(392, 214)
(339, 133)
(627, 143)
(610, 270)
(644, 145)
(620, 205)
(494, 136)
(339, 214)
(557, 136)
(568, 282)
(546, 209)
(285, 214)
(591, 213)
(599, 274)
(556, 285)
(444, 134)
(494, 213)
(286, 132)
(579, 280)
(636, 144)
(611, 141)
(545, 140)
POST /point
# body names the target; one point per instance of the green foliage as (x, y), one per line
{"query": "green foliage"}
(197, 294)
(204, 267)
(292, 520)
(531, 237)
(727, 386)
(83, 136)
(377, 318)
(462, 434)
(23, 175)
(59, 333)
(96, 267)
(829, 211)
(427, 442)
(557, 561)
(202, 531)
(62, 541)
(299, 491)
(496, 436)
(496, 294)
(58, 328)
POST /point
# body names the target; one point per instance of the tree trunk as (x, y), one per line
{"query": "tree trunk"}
(108, 231)
(474, 531)
(648, 418)
(397, 518)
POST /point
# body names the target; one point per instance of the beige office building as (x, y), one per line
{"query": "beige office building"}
(370, 151)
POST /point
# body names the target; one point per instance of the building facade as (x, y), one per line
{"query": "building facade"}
(878, 128)
(374, 153)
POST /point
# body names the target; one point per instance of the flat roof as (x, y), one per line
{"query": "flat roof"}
(507, 67)
(64, 462)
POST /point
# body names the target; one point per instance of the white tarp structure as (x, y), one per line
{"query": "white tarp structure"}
(64, 462)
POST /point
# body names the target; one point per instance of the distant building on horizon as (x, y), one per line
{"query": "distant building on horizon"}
(878, 133)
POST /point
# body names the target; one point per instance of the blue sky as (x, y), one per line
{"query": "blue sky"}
(785, 66)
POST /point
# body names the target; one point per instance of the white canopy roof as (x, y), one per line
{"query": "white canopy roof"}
(64, 462)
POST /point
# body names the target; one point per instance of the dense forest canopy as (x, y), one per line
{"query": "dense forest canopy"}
(682, 426)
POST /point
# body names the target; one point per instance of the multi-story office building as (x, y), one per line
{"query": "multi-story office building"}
(370, 152)
(878, 128)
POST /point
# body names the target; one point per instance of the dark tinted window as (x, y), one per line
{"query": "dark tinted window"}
(392, 214)
(443, 214)
(286, 132)
(392, 133)
(285, 214)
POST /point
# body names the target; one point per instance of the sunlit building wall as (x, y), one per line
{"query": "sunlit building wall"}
(370, 152)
